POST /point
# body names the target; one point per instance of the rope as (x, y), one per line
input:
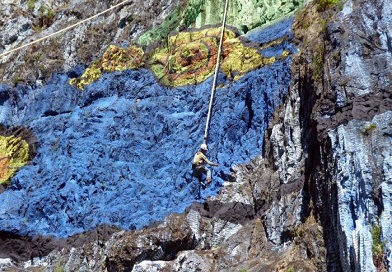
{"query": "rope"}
(64, 29)
(215, 75)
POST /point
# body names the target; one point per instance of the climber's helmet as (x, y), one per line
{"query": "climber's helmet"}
(203, 147)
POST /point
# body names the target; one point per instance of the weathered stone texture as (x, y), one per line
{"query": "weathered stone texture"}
(344, 116)
(312, 201)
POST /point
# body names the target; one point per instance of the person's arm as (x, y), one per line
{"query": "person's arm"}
(209, 162)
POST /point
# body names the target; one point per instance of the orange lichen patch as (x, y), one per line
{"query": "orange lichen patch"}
(114, 59)
(14, 154)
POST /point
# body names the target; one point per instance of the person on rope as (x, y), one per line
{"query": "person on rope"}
(199, 164)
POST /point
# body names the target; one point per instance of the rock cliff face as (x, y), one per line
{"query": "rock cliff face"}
(347, 135)
(304, 144)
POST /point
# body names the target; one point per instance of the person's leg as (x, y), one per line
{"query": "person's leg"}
(202, 169)
(208, 172)
(197, 171)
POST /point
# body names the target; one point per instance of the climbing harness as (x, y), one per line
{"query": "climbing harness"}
(64, 29)
(215, 75)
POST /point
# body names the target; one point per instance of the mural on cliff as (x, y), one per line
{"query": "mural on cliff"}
(119, 152)
(189, 58)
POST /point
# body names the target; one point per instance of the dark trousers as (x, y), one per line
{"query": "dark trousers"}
(200, 169)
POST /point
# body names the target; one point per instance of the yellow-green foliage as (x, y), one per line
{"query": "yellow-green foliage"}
(14, 153)
(114, 59)
(59, 267)
(377, 246)
(189, 58)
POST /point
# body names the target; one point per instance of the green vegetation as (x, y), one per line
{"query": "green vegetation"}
(34, 58)
(368, 129)
(189, 57)
(323, 5)
(318, 62)
(59, 267)
(16, 80)
(31, 5)
(114, 59)
(192, 12)
(181, 17)
(378, 245)
(37, 28)
(161, 32)
(199, 13)
(47, 16)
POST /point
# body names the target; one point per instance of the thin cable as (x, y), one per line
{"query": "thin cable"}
(64, 29)
(215, 75)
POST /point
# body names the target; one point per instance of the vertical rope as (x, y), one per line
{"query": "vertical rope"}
(216, 74)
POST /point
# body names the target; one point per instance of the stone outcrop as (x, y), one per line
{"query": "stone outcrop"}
(25, 21)
(346, 106)
(227, 233)
(306, 186)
